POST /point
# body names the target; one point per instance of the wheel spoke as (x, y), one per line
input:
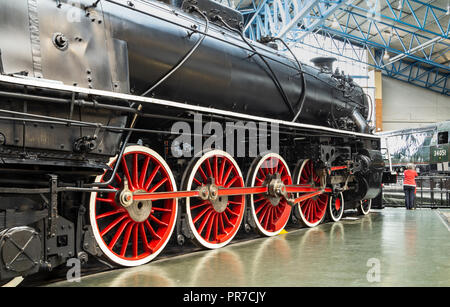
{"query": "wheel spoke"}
(118, 233)
(231, 212)
(152, 231)
(221, 224)
(263, 213)
(262, 172)
(158, 185)
(135, 171)
(261, 206)
(259, 199)
(144, 238)
(222, 168)
(227, 174)
(151, 177)
(227, 221)
(105, 200)
(202, 173)
(144, 171)
(197, 182)
(103, 215)
(161, 209)
(203, 212)
(216, 171)
(203, 203)
(232, 202)
(232, 181)
(265, 219)
(215, 227)
(153, 218)
(127, 172)
(126, 239)
(204, 221)
(135, 241)
(208, 168)
(112, 225)
(209, 226)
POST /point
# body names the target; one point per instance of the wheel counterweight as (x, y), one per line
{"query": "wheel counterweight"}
(214, 220)
(133, 232)
(269, 212)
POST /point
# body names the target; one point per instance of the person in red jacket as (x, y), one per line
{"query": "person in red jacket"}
(409, 186)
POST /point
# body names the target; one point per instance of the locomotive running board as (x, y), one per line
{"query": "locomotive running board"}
(49, 84)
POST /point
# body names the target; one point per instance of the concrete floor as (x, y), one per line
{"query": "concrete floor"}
(406, 248)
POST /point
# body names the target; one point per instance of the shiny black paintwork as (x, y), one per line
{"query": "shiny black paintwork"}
(120, 48)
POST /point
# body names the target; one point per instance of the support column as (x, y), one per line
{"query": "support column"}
(378, 101)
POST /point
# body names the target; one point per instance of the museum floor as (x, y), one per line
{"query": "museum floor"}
(390, 247)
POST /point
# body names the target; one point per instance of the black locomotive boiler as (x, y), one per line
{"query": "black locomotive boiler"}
(89, 92)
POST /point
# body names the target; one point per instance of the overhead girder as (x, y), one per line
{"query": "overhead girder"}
(413, 32)
(414, 72)
(277, 17)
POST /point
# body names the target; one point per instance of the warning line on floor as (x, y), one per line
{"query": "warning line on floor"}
(443, 219)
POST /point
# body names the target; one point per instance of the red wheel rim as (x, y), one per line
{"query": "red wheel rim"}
(134, 235)
(271, 217)
(313, 209)
(213, 225)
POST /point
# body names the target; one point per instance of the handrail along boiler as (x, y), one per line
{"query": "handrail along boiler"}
(89, 91)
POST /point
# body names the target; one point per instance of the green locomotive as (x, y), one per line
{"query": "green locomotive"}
(426, 147)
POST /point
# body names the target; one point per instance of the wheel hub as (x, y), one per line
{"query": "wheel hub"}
(276, 189)
(210, 192)
(140, 210)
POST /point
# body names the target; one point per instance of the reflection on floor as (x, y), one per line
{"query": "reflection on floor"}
(406, 248)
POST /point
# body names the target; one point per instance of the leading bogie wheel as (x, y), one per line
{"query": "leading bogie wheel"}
(269, 212)
(310, 212)
(335, 208)
(213, 220)
(364, 206)
(133, 233)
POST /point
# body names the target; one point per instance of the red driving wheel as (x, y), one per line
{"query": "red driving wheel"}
(311, 211)
(214, 220)
(134, 234)
(269, 213)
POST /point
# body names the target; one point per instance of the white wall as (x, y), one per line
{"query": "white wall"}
(409, 106)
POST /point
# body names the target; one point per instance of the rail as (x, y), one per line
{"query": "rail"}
(431, 192)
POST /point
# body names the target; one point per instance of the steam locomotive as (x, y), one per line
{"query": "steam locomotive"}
(90, 93)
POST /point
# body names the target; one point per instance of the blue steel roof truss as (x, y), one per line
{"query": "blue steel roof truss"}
(417, 33)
